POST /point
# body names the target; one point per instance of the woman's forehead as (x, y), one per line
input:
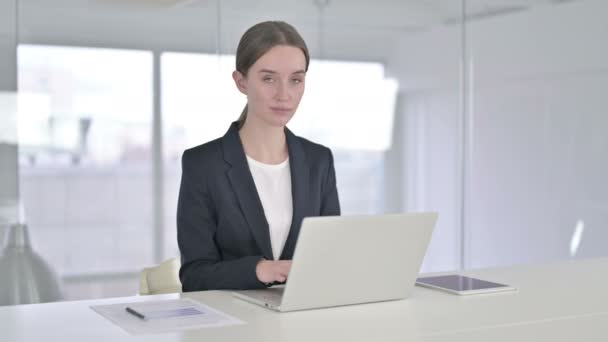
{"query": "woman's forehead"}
(281, 59)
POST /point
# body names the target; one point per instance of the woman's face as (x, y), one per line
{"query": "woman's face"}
(274, 85)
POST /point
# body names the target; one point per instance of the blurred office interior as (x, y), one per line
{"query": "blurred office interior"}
(492, 112)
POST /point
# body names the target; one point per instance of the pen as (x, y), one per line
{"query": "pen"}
(135, 313)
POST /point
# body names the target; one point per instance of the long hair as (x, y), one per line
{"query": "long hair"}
(260, 38)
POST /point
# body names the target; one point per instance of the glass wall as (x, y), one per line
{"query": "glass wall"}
(491, 113)
(89, 139)
(537, 143)
(85, 157)
(8, 115)
(428, 65)
(9, 191)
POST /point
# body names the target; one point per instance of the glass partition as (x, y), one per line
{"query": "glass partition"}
(496, 122)
(537, 144)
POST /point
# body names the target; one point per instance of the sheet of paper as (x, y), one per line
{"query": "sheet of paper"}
(165, 316)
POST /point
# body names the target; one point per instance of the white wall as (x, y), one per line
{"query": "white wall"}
(539, 165)
(427, 66)
(432, 160)
(537, 145)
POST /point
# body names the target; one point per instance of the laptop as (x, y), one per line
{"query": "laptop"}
(344, 260)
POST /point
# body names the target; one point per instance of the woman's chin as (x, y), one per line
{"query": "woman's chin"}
(279, 120)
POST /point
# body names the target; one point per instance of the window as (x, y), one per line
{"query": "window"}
(85, 169)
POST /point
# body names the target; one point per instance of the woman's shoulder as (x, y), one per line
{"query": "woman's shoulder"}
(205, 152)
(311, 146)
(314, 151)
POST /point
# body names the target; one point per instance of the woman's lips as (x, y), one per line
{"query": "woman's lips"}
(280, 109)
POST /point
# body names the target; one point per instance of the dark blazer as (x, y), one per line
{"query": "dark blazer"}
(222, 231)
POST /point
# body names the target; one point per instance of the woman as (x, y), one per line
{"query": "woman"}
(243, 196)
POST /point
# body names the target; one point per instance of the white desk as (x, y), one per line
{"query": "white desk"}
(556, 302)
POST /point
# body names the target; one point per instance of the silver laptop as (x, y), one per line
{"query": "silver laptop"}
(343, 260)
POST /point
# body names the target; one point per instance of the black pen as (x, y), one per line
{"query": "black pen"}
(135, 313)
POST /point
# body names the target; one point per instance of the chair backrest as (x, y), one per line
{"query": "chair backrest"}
(163, 278)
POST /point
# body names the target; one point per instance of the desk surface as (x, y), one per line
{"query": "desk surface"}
(555, 302)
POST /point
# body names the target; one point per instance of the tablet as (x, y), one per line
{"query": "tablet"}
(462, 285)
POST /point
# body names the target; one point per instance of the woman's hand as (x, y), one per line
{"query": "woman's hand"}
(270, 271)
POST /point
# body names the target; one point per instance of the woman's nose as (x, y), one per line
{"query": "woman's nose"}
(282, 91)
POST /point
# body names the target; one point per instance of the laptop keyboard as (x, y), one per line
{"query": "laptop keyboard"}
(271, 295)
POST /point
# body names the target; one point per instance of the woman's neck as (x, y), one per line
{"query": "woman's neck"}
(264, 143)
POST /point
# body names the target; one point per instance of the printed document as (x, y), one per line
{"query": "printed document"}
(162, 316)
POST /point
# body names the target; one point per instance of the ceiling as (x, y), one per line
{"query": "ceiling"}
(395, 15)
(350, 29)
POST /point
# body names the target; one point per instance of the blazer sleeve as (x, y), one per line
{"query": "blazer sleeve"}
(330, 204)
(202, 265)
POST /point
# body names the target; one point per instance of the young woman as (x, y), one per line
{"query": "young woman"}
(243, 196)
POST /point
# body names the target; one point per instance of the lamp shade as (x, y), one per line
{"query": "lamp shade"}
(25, 278)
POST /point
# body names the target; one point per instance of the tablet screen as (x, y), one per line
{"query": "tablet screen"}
(458, 283)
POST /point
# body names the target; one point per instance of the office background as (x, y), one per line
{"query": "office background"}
(493, 113)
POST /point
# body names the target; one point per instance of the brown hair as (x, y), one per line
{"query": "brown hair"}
(260, 38)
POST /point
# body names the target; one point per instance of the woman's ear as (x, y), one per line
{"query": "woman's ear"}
(240, 81)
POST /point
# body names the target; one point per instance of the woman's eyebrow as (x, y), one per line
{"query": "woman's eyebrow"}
(268, 71)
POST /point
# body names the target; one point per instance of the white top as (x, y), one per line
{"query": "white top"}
(273, 183)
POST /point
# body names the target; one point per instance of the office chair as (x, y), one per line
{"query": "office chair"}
(163, 278)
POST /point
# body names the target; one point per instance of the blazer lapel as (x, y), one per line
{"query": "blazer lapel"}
(300, 174)
(244, 187)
